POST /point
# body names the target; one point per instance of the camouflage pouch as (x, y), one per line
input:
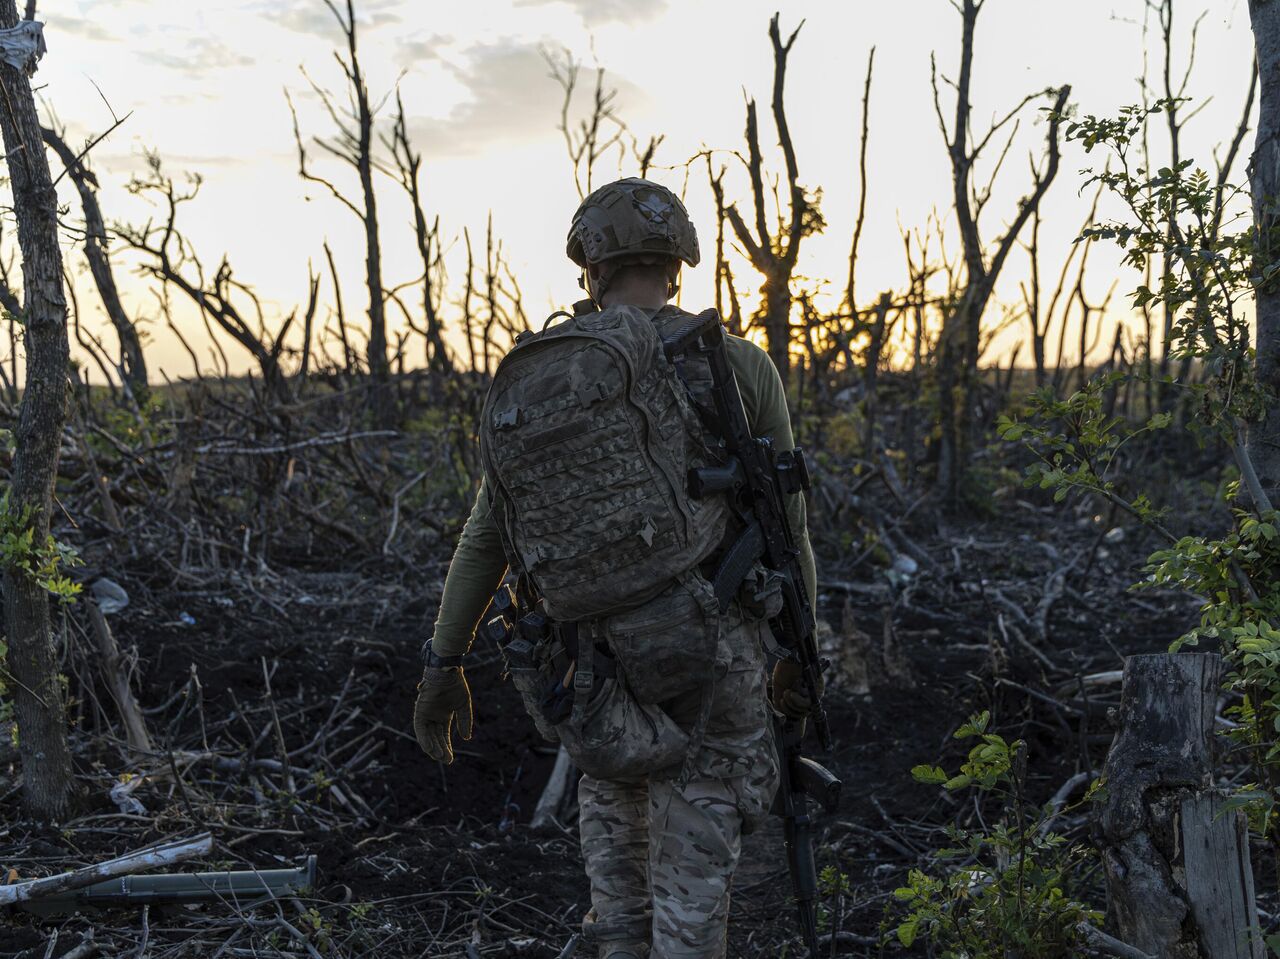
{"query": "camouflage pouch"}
(529, 661)
(668, 646)
(610, 735)
(531, 684)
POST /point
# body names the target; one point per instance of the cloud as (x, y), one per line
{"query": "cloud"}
(198, 54)
(123, 164)
(512, 99)
(597, 12)
(411, 50)
(83, 27)
(314, 18)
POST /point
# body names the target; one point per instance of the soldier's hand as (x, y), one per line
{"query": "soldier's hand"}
(789, 695)
(444, 698)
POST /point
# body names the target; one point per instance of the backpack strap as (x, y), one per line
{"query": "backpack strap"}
(712, 622)
(584, 676)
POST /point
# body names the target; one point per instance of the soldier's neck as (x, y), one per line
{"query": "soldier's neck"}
(644, 298)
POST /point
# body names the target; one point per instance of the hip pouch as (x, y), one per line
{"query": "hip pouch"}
(667, 647)
(530, 662)
(532, 684)
(610, 734)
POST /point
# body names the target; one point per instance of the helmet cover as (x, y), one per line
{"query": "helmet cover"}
(633, 218)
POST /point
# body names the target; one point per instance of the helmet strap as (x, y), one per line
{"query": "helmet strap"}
(596, 290)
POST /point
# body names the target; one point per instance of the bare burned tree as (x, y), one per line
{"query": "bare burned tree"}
(724, 275)
(774, 255)
(492, 305)
(600, 131)
(1040, 315)
(408, 166)
(172, 261)
(850, 288)
(961, 335)
(48, 785)
(132, 365)
(643, 156)
(353, 145)
(1174, 91)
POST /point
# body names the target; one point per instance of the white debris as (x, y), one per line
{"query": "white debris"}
(905, 566)
(109, 595)
(22, 46)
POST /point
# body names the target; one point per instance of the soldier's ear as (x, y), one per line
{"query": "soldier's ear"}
(582, 280)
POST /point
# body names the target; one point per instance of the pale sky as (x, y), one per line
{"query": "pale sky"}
(205, 87)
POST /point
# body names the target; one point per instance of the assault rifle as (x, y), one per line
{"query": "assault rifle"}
(757, 478)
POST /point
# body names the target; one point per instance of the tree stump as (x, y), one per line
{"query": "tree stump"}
(1179, 884)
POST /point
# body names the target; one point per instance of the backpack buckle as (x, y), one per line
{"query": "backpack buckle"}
(589, 395)
(506, 419)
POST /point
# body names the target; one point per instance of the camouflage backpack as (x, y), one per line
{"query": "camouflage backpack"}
(586, 437)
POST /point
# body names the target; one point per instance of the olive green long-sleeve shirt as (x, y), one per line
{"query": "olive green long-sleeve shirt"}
(479, 563)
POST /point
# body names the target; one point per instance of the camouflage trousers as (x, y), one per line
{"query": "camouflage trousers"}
(661, 851)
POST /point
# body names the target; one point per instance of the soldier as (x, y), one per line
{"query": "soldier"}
(660, 846)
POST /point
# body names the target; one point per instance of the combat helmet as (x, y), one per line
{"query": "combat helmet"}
(632, 221)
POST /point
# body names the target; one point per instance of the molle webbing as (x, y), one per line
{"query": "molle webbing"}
(587, 437)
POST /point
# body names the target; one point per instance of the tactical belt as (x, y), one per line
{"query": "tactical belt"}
(603, 664)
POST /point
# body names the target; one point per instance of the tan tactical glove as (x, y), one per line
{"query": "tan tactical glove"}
(789, 695)
(443, 699)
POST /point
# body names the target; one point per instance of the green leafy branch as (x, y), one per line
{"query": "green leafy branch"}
(1010, 893)
(1178, 217)
(44, 562)
(1077, 447)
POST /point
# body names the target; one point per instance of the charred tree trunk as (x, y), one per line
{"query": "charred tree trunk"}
(1264, 180)
(776, 320)
(871, 370)
(774, 257)
(961, 334)
(1178, 879)
(379, 368)
(133, 366)
(42, 727)
(353, 144)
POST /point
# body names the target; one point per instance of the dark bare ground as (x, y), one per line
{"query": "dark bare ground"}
(417, 859)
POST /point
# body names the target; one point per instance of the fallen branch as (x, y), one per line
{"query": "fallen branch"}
(1059, 799)
(1109, 944)
(152, 857)
(395, 511)
(215, 449)
(117, 676)
(86, 948)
